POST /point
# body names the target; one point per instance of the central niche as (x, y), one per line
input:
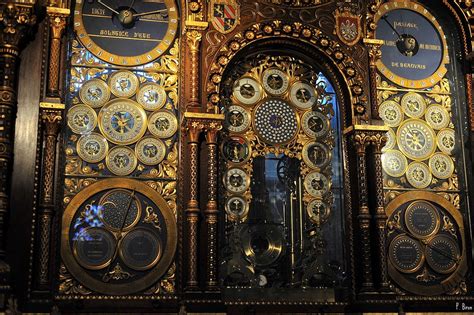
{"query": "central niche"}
(281, 187)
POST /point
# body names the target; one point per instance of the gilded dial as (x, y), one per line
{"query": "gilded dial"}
(236, 208)
(416, 139)
(150, 151)
(413, 105)
(126, 33)
(121, 161)
(441, 165)
(391, 113)
(247, 91)
(437, 117)
(394, 163)
(316, 184)
(316, 155)
(236, 180)
(237, 119)
(318, 211)
(418, 175)
(151, 96)
(81, 119)
(94, 93)
(303, 95)
(122, 121)
(123, 84)
(315, 124)
(163, 124)
(446, 140)
(275, 81)
(275, 121)
(92, 148)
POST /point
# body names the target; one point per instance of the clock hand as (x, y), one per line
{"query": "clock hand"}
(131, 5)
(108, 7)
(150, 12)
(391, 26)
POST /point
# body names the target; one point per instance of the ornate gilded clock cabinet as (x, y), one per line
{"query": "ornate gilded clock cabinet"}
(236, 156)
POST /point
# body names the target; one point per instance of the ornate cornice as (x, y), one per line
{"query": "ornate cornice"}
(16, 21)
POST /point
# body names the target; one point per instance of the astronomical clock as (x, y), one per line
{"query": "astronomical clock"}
(268, 156)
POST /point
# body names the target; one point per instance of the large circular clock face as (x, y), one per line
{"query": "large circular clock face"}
(124, 32)
(414, 53)
(122, 121)
(275, 121)
(118, 237)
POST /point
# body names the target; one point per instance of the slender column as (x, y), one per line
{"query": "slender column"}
(375, 54)
(15, 26)
(57, 18)
(193, 38)
(378, 142)
(361, 142)
(211, 211)
(192, 210)
(51, 119)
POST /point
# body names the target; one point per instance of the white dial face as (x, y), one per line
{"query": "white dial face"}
(316, 184)
(94, 93)
(446, 140)
(247, 91)
(437, 117)
(151, 96)
(441, 165)
(391, 113)
(418, 175)
(275, 81)
(237, 119)
(236, 180)
(303, 95)
(123, 83)
(413, 105)
(394, 163)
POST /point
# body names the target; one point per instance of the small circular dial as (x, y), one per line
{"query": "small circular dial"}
(394, 163)
(316, 184)
(151, 96)
(446, 140)
(422, 219)
(437, 117)
(318, 211)
(94, 248)
(115, 205)
(315, 124)
(236, 180)
(92, 148)
(418, 175)
(316, 155)
(121, 161)
(275, 121)
(163, 124)
(94, 93)
(413, 105)
(416, 139)
(81, 119)
(237, 119)
(123, 84)
(441, 165)
(391, 113)
(303, 95)
(122, 121)
(406, 254)
(150, 151)
(275, 81)
(141, 249)
(443, 254)
(247, 91)
(236, 150)
(236, 208)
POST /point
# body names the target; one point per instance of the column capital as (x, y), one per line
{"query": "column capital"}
(16, 21)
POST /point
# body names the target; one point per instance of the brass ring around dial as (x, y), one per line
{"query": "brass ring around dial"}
(123, 83)
(141, 249)
(406, 254)
(93, 248)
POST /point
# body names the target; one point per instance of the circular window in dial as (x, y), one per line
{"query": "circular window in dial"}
(236, 180)
(151, 96)
(81, 119)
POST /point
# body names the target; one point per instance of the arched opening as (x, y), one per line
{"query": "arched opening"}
(281, 171)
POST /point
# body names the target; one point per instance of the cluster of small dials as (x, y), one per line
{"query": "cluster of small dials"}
(108, 125)
(276, 110)
(421, 132)
(424, 243)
